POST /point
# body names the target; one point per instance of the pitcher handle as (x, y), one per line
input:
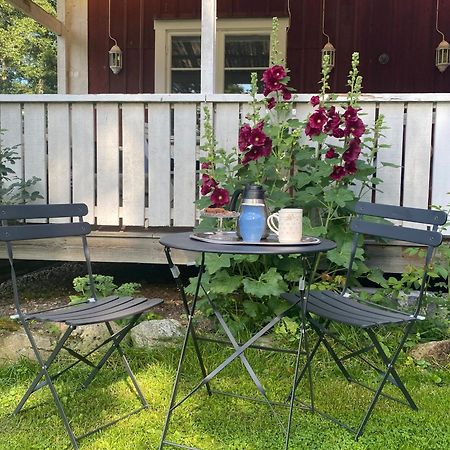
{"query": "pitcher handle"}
(234, 199)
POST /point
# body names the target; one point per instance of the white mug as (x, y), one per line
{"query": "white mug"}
(287, 225)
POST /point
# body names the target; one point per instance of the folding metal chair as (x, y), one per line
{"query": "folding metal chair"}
(323, 308)
(94, 311)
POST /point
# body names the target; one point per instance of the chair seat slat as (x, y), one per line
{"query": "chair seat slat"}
(71, 309)
(119, 304)
(138, 309)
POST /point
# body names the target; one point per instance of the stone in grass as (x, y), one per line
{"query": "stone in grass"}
(86, 338)
(156, 333)
(437, 352)
(15, 345)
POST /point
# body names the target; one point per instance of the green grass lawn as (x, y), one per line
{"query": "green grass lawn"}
(220, 422)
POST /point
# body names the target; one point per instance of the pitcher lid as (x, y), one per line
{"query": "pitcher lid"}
(253, 191)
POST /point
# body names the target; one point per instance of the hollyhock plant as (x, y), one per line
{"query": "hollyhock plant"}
(321, 163)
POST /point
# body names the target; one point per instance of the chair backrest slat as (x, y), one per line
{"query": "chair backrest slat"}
(431, 217)
(423, 237)
(42, 231)
(11, 212)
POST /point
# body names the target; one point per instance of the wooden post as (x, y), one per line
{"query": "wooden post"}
(208, 46)
(73, 47)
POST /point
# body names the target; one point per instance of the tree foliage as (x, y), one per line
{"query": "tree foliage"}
(27, 52)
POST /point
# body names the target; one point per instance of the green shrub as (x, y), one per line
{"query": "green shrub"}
(104, 286)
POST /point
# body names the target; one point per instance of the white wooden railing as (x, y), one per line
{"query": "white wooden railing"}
(132, 158)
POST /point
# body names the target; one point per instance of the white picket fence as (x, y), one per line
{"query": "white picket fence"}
(133, 158)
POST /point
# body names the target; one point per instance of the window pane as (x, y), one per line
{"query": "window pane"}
(247, 51)
(238, 81)
(186, 52)
(185, 81)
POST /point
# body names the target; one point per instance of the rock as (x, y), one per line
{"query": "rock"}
(15, 345)
(155, 333)
(437, 352)
(85, 338)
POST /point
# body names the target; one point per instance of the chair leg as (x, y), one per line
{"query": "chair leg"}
(32, 388)
(114, 346)
(331, 351)
(128, 368)
(44, 372)
(389, 367)
(296, 380)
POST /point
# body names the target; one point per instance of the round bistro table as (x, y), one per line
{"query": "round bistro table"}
(184, 241)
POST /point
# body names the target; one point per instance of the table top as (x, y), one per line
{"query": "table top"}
(182, 241)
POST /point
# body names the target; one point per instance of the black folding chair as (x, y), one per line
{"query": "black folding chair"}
(94, 311)
(323, 308)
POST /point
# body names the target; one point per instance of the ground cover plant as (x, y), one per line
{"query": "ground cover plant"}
(221, 423)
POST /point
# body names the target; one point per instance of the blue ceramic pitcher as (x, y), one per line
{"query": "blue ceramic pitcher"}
(252, 222)
(252, 195)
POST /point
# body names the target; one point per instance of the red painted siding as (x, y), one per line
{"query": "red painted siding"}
(403, 29)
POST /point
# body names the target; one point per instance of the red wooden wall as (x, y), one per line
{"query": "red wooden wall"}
(402, 29)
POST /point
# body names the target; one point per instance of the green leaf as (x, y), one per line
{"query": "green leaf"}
(339, 196)
(269, 283)
(214, 262)
(223, 283)
(251, 308)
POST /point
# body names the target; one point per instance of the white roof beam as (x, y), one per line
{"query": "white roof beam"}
(41, 16)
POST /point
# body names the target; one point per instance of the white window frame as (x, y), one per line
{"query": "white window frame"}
(165, 29)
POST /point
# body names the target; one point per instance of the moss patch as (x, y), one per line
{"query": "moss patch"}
(6, 324)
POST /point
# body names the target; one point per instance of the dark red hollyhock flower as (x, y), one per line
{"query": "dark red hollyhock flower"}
(256, 152)
(244, 136)
(220, 197)
(287, 95)
(353, 151)
(205, 165)
(350, 113)
(267, 147)
(338, 133)
(355, 127)
(272, 77)
(274, 73)
(257, 136)
(266, 91)
(333, 122)
(271, 103)
(208, 184)
(315, 100)
(338, 173)
(350, 167)
(260, 125)
(330, 154)
(277, 72)
(316, 122)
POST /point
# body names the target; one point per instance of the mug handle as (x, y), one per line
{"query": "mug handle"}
(271, 222)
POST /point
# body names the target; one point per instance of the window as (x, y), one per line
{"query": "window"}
(242, 46)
